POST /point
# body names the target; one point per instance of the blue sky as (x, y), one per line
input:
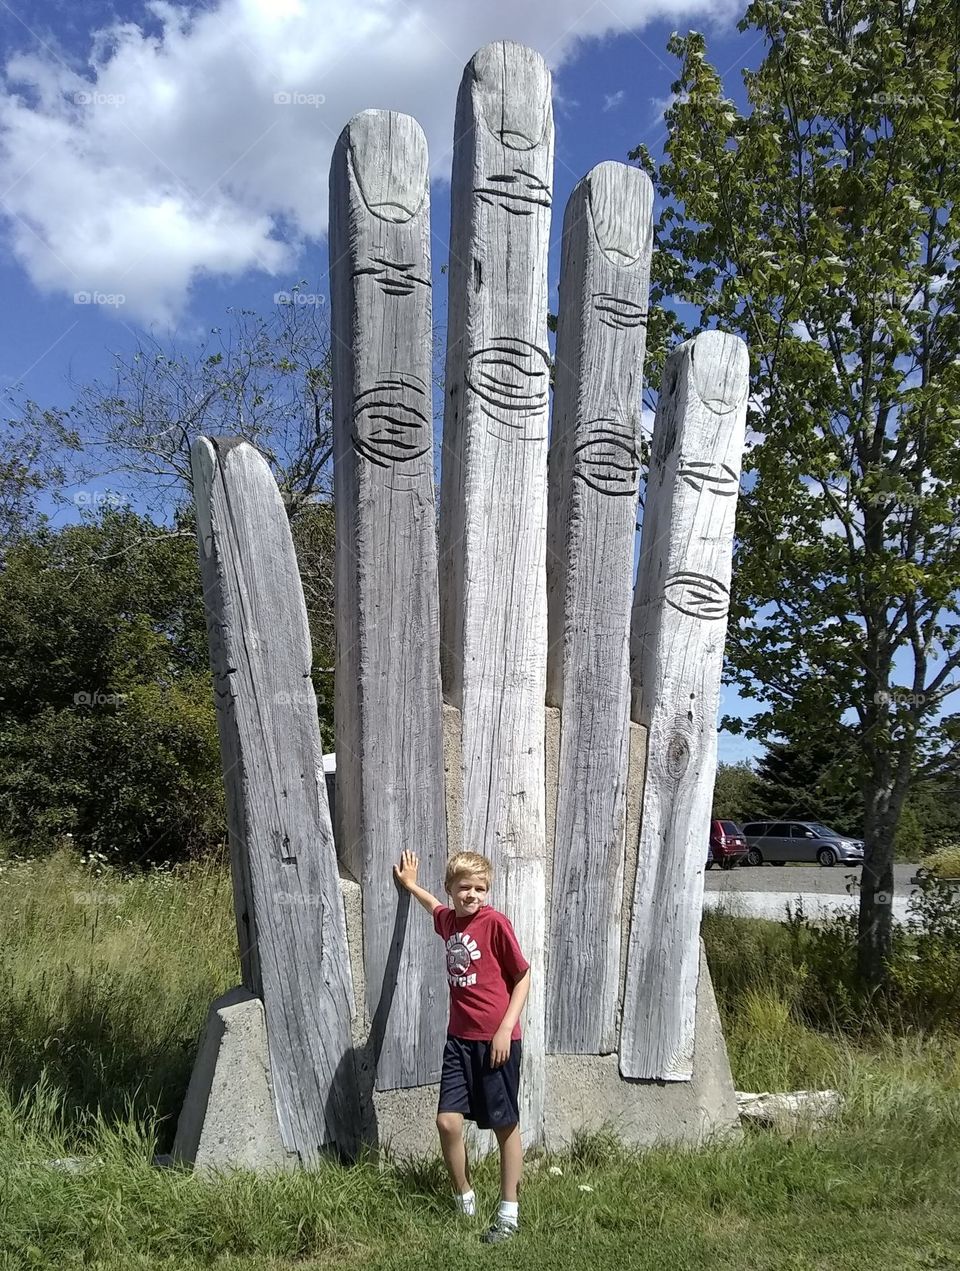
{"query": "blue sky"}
(143, 154)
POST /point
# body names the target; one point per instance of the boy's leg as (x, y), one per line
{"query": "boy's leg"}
(502, 1089)
(511, 1160)
(450, 1126)
(511, 1164)
(453, 1104)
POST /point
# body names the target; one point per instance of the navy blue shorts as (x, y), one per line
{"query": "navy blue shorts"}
(489, 1096)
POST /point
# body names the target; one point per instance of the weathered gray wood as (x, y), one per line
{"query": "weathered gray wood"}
(593, 471)
(493, 491)
(678, 629)
(290, 921)
(388, 700)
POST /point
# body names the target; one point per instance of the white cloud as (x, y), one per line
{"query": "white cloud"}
(660, 105)
(168, 158)
(612, 100)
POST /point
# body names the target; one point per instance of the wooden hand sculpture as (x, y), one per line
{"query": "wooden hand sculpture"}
(500, 687)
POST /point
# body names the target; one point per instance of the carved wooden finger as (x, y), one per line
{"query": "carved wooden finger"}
(594, 470)
(290, 919)
(493, 492)
(678, 629)
(388, 700)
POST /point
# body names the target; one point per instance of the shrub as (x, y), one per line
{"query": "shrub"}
(139, 782)
(108, 730)
(811, 968)
(945, 862)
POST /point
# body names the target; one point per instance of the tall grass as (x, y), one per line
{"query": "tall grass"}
(875, 1191)
(105, 983)
(798, 980)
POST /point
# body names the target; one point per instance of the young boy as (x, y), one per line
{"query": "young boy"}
(489, 980)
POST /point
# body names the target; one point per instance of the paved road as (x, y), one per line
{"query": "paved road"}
(804, 878)
(764, 891)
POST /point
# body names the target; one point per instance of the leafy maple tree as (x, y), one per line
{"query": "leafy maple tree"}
(821, 224)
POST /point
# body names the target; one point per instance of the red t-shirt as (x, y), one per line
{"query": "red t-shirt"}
(484, 962)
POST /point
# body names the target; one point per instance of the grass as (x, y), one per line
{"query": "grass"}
(105, 986)
(105, 983)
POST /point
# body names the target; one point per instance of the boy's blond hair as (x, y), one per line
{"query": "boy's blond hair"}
(461, 863)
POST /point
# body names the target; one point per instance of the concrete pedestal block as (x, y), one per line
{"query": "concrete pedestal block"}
(229, 1120)
(587, 1093)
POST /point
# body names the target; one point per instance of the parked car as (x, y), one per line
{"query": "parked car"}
(727, 846)
(782, 841)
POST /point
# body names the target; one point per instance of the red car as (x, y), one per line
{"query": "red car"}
(727, 846)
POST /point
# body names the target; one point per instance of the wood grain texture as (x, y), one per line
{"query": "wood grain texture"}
(678, 628)
(493, 491)
(388, 698)
(594, 470)
(290, 919)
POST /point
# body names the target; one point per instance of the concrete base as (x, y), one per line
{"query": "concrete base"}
(228, 1118)
(585, 1093)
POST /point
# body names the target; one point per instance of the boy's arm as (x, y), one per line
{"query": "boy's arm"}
(406, 875)
(500, 1044)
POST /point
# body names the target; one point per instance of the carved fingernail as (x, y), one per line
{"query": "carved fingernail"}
(621, 207)
(720, 368)
(514, 91)
(388, 153)
(392, 422)
(606, 458)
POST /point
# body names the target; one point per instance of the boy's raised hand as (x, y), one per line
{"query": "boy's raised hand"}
(406, 872)
(406, 875)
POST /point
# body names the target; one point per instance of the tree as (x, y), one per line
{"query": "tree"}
(734, 792)
(108, 730)
(31, 462)
(823, 225)
(264, 378)
(930, 819)
(815, 780)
